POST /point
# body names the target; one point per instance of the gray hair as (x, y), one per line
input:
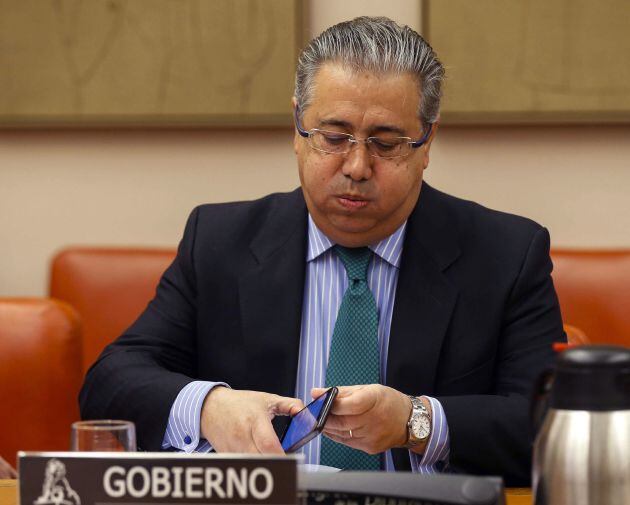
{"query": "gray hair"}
(378, 45)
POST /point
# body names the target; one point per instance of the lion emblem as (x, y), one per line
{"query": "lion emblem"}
(56, 489)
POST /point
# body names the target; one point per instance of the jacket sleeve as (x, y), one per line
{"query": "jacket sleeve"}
(491, 433)
(138, 376)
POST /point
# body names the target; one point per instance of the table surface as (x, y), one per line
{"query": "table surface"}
(515, 496)
(8, 492)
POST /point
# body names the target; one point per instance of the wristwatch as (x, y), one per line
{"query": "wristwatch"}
(419, 424)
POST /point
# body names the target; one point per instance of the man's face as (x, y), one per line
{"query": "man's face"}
(357, 199)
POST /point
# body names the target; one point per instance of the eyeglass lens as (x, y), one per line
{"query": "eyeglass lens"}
(341, 143)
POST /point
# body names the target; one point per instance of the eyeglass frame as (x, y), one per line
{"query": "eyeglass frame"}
(353, 140)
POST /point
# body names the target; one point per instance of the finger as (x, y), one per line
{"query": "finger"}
(354, 400)
(344, 423)
(347, 429)
(338, 433)
(342, 391)
(345, 433)
(285, 406)
(350, 442)
(338, 437)
(317, 392)
(265, 438)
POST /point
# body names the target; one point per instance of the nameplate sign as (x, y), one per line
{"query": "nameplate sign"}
(115, 478)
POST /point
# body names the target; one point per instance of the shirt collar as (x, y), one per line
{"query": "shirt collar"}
(389, 249)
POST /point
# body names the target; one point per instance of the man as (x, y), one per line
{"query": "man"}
(449, 303)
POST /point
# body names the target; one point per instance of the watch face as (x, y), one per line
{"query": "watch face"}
(421, 426)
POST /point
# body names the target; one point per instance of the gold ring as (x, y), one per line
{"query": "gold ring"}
(350, 431)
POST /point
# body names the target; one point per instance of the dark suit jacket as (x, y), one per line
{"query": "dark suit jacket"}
(474, 319)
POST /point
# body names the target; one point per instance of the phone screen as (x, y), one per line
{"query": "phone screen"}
(308, 422)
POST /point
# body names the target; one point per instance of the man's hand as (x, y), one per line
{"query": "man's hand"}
(240, 421)
(6, 470)
(376, 414)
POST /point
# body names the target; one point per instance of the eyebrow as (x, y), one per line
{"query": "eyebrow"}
(376, 129)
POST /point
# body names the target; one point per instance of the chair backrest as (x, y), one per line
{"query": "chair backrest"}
(594, 292)
(109, 288)
(40, 374)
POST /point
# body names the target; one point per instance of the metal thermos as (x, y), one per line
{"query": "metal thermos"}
(582, 450)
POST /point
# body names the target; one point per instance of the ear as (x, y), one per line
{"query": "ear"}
(296, 135)
(434, 130)
(427, 145)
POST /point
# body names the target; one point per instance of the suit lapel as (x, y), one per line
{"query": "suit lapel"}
(424, 297)
(271, 294)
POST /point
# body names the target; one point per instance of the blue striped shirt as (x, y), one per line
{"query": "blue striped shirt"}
(324, 287)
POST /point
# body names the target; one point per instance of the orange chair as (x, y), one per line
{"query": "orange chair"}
(594, 292)
(40, 375)
(109, 288)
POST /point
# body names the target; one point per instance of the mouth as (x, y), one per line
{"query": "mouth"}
(352, 202)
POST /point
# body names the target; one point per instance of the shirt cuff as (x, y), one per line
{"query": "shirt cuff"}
(435, 457)
(183, 428)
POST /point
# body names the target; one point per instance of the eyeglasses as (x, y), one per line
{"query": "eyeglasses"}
(382, 146)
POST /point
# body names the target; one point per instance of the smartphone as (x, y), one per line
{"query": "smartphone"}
(308, 422)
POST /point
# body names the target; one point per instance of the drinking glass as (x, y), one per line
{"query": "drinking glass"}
(103, 435)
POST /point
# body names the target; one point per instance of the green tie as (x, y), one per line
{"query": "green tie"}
(354, 356)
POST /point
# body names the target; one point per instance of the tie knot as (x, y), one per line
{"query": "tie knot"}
(356, 260)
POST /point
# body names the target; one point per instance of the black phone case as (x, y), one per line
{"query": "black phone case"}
(319, 426)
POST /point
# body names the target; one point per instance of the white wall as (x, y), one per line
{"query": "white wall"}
(136, 188)
(62, 188)
(575, 179)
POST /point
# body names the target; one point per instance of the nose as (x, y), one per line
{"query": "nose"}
(357, 163)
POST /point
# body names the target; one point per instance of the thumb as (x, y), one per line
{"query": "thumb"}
(286, 406)
(317, 392)
(342, 391)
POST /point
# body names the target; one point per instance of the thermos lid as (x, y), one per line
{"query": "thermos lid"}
(593, 377)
